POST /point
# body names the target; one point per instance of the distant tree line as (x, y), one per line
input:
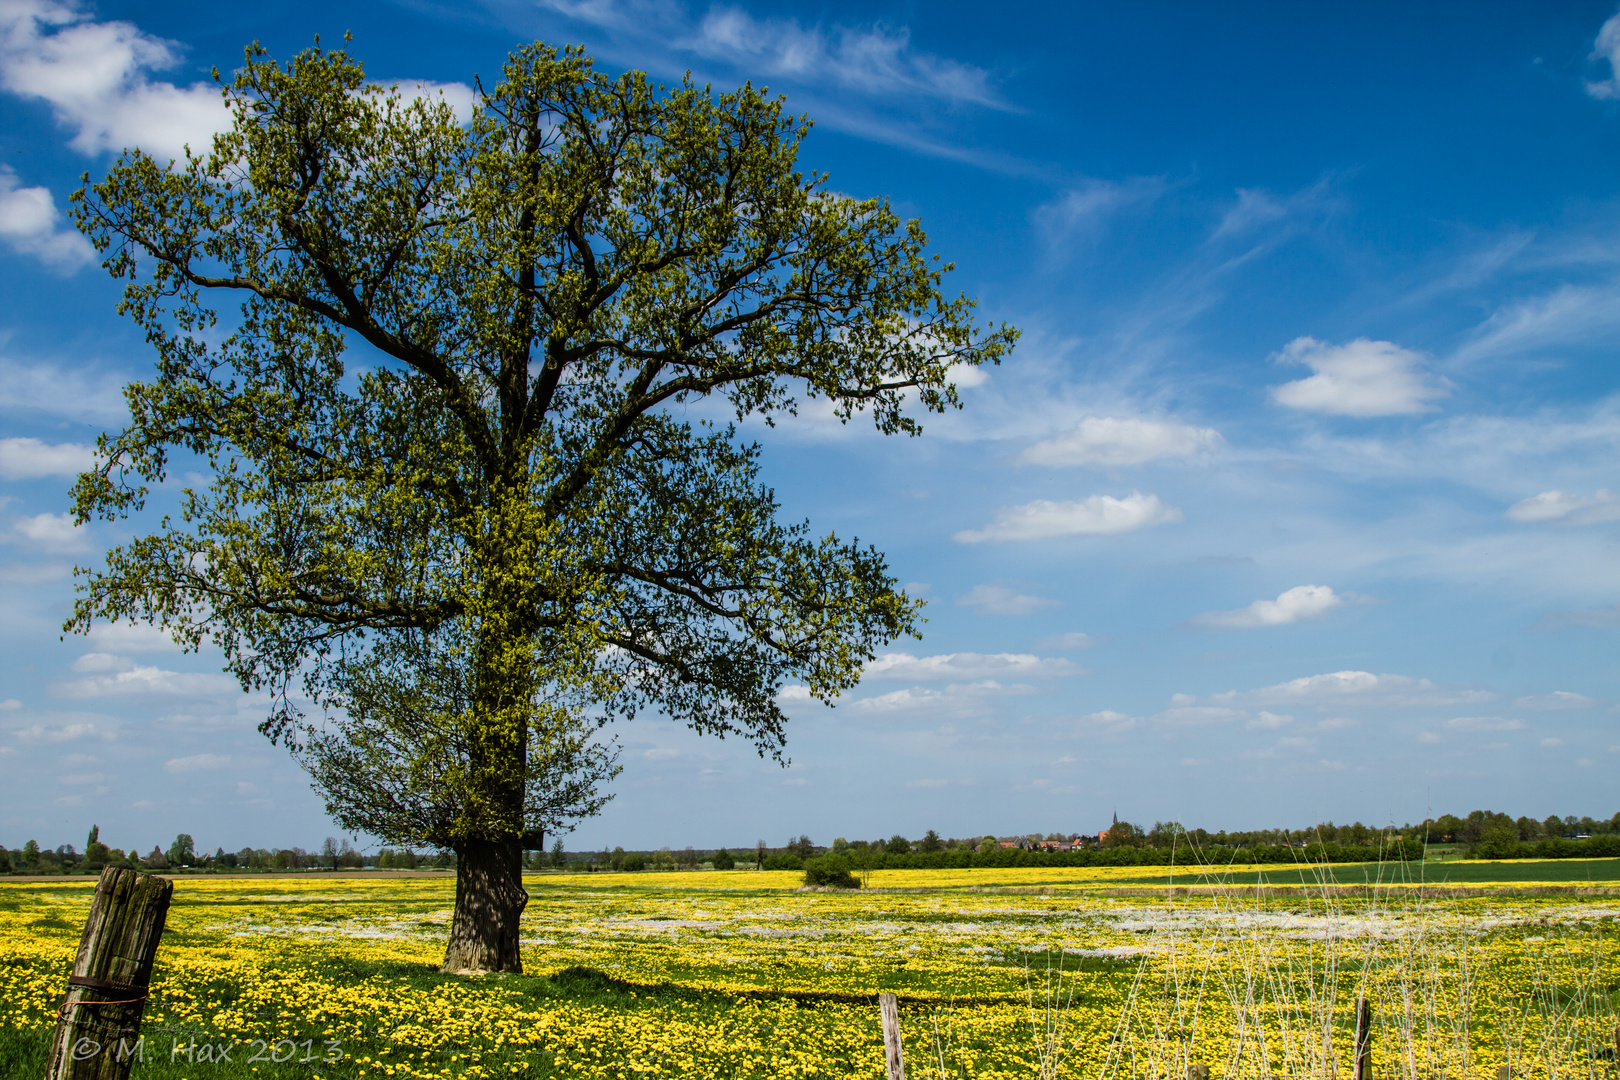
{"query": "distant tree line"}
(182, 854)
(1482, 834)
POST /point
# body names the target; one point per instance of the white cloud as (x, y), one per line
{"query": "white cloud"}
(953, 700)
(1428, 738)
(1088, 205)
(661, 753)
(956, 666)
(463, 99)
(1255, 206)
(43, 734)
(1099, 515)
(61, 390)
(1120, 441)
(98, 662)
(875, 59)
(30, 224)
(141, 679)
(794, 692)
(1364, 378)
(94, 76)
(1557, 701)
(1484, 723)
(1551, 742)
(1073, 640)
(126, 637)
(55, 531)
(197, 763)
(1607, 49)
(1567, 508)
(30, 459)
(1295, 605)
(999, 600)
(1178, 716)
(1269, 721)
(1343, 688)
(10, 705)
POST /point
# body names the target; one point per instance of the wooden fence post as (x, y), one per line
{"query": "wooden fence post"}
(889, 1007)
(1504, 1072)
(1363, 1066)
(98, 1027)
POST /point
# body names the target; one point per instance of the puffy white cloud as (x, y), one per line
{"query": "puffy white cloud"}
(1295, 605)
(1557, 701)
(1363, 378)
(1484, 723)
(126, 637)
(794, 692)
(1549, 743)
(999, 600)
(957, 666)
(55, 531)
(31, 224)
(1345, 688)
(1567, 508)
(1099, 515)
(94, 76)
(197, 763)
(1119, 441)
(1607, 48)
(30, 459)
(463, 99)
(141, 679)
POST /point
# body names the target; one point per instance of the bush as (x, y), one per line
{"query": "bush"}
(723, 861)
(633, 860)
(783, 861)
(831, 871)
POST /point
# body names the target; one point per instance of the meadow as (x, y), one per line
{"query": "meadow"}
(1101, 973)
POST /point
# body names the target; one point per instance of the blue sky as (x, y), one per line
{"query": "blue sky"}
(1298, 501)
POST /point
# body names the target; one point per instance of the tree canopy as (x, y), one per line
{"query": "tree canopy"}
(463, 499)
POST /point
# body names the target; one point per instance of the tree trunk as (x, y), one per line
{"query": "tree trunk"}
(489, 901)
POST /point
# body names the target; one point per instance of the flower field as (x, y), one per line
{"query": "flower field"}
(1081, 973)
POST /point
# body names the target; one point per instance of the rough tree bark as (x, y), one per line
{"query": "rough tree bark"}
(489, 904)
(98, 1027)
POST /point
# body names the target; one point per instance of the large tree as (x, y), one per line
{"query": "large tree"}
(467, 414)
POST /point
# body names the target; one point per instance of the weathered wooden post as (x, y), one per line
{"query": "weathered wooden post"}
(889, 1006)
(1363, 1066)
(98, 1027)
(1504, 1072)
